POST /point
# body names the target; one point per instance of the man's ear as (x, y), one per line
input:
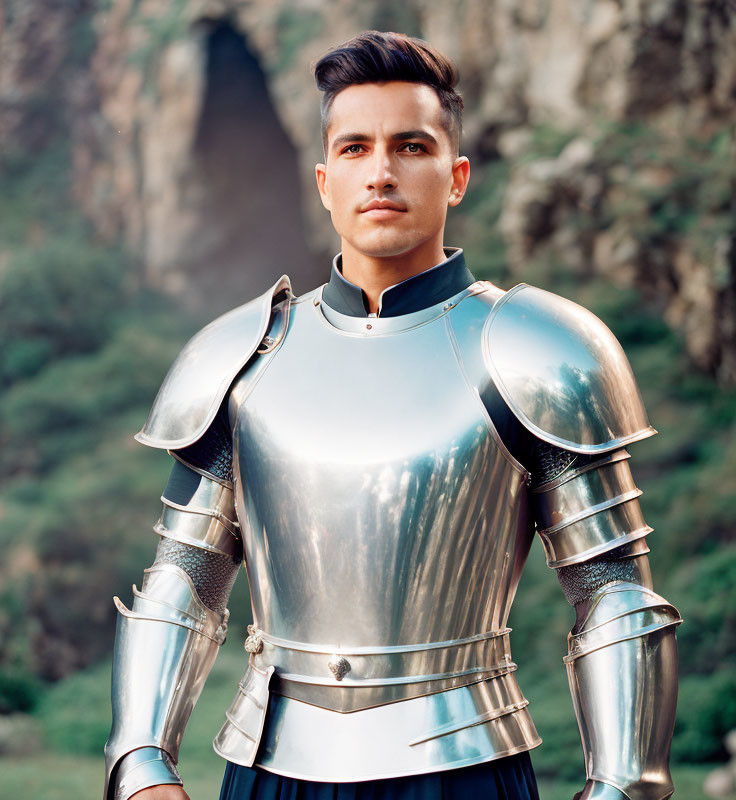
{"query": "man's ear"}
(460, 178)
(320, 172)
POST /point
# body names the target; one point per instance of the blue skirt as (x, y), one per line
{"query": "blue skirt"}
(508, 778)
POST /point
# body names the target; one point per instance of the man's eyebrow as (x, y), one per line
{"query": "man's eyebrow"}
(416, 134)
(345, 138)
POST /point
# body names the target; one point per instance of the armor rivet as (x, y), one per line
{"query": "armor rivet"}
(369, 326)
(447, 307)
(339, 667)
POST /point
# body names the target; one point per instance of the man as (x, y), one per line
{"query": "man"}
(379, 452)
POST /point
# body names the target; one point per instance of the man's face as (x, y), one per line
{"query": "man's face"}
(387, 146)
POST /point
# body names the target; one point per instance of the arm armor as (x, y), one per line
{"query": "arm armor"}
(622, 652)
(199, 378)
(166, 643)
(562, 372)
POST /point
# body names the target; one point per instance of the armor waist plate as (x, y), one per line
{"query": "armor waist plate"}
(385, 528)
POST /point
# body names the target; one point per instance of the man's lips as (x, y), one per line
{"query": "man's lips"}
(382, 209)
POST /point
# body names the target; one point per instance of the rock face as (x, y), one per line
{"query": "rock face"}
(194, 127)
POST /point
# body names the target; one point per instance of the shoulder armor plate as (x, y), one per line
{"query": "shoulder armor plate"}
(197, 381)
(562, 372)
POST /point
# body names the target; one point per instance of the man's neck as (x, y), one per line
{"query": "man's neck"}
(374, 274)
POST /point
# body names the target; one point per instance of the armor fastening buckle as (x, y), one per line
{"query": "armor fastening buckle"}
(339, 667)
(254, 641)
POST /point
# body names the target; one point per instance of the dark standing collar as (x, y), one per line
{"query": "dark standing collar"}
(420, 291)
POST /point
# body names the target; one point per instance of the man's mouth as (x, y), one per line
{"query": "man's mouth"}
(382, 209)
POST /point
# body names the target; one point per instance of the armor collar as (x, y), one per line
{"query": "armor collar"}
(381, 326)
(417, 292)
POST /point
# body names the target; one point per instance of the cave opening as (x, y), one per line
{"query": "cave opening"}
(247, 184)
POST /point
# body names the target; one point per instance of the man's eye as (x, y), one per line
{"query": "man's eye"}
(414, 147)
(349, 148)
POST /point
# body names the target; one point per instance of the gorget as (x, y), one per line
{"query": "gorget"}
(385, 528)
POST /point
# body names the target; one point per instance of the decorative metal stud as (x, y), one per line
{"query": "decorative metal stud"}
(254, 642)
(339, 667)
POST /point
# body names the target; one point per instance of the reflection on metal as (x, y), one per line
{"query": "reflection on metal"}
(242, 731)
(628, 642)
(356, 483)
(443, 730)
(142, 768)
(198, 530)
(590, 512)
(385, 526)
(563, 373)
(205, 516)
(197, 381)
(164, 649)
(382, 674)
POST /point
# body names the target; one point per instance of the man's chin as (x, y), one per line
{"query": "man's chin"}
(388, 247)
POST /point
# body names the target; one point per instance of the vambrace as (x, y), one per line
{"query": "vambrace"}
(622, 652)
(167, 641)
(622, 672)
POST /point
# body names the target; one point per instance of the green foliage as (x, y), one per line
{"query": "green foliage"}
(671, 187)
(474, 225)
(706, 585)
(33, 204)
(19, 690)
(57, 299)
(294, 28)
(75, 715)
(706, 712)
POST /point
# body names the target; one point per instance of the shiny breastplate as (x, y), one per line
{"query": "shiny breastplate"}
(385, 528)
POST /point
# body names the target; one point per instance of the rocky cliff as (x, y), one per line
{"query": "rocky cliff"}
(604, 128)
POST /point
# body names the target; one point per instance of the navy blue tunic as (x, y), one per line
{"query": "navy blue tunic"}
(508, 778)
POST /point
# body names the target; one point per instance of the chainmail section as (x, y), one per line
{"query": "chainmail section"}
(550, 461)
(213, 574)
(213, 452)
(580, 581)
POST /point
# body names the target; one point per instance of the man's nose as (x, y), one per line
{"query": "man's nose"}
(381, 174)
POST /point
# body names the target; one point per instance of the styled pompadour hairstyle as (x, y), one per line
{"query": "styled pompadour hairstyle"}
(377, 56)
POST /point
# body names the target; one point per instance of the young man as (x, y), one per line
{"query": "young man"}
(379, 452)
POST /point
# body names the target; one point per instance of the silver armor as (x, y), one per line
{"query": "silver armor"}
(385, 526)
(166, 644)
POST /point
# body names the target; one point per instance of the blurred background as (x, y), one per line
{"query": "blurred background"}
(156, 169)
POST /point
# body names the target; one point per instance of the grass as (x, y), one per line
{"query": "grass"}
(53, 776)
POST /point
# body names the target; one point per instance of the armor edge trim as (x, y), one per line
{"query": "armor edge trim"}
(490, 672)
(199, 471)
(612, 544)
(464, 762)
(498, 441)
(327, 649)
(568, 474)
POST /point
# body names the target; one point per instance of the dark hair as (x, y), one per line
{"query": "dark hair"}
(377, 56)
